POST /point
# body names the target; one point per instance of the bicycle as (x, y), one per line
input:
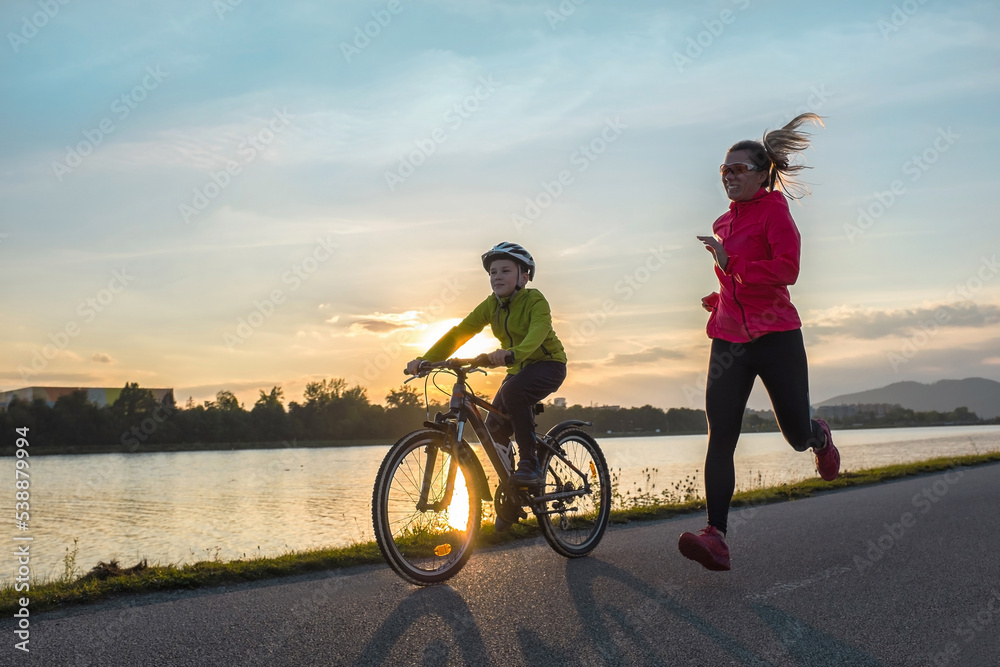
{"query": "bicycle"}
(428, 495)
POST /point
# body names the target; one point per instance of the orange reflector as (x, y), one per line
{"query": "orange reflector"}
(442, 550)
(593, 470)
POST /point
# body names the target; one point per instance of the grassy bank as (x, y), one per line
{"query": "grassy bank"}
(109, 579)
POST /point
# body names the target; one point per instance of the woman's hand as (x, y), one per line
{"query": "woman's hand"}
(714, 246)
(498, 357)
(413, 367)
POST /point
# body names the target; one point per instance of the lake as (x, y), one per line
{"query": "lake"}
(188, 506)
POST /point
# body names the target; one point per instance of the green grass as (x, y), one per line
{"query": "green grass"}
(105, 582)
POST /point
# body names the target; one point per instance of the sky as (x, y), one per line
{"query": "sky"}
(235, 195)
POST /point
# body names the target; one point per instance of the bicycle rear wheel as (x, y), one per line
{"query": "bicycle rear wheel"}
(574, 525)
(430, 545)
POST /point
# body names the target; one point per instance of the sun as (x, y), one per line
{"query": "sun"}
(481, 343)
(458, 511)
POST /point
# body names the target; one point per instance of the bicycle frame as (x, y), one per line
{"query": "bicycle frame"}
(462, 409)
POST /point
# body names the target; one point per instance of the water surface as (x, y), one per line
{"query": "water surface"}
(186, 506)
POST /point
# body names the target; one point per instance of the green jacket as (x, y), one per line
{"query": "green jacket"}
(522, 324)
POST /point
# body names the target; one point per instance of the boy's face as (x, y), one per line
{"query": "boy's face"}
(504, 277)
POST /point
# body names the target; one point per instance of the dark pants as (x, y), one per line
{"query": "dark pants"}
(517, 396)
(780, 361)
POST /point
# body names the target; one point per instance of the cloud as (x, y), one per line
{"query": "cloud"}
(377, 326)
(648, 356)
(644, 357)
(587, 245)
(871, 324)
(382, 323)
(102, 358)
(52, 379)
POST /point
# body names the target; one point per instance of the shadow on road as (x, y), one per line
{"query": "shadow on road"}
(604, 620)
(808, 645)
(414, 620)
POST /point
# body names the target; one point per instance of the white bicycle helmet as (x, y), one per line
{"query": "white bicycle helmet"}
(507, 250)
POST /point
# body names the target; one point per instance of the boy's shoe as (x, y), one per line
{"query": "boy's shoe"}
(708, 547)
(528, 473)
(828, 458)
(506, 511)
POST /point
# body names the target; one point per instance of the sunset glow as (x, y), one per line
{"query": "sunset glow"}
(458, 511)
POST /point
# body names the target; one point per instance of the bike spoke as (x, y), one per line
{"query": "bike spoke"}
(574, 506)
(423, 546)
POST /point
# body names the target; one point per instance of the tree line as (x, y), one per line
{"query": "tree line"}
(330, 410)
(900, 416)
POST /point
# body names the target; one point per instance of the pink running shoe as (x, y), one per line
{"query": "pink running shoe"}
(708, 547)
(828, 458)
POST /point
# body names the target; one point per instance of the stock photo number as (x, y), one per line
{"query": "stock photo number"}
(22, 494)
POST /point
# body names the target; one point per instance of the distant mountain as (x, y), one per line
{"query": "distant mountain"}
(980, 395)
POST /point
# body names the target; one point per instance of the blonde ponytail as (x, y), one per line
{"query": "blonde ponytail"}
(773, 154)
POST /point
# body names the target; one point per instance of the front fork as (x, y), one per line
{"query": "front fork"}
(452, 440)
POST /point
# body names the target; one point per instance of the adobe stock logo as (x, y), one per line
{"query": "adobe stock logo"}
(915, 167)
(88, 310)
(295, 276)
(38, 20)
(626, 287)
(381, 19)
(248, 150)
(581, 158)
(453, 118)
(714, 28)
(565, 10)
(924, 501)
(122, 107)
(900, 15)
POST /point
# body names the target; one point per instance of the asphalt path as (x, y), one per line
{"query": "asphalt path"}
(902, 573)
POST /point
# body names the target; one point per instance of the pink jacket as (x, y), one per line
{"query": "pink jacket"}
(763, 245)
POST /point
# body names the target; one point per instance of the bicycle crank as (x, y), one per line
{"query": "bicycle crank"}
(506, 507)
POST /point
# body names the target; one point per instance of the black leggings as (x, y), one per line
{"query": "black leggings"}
(780, 361)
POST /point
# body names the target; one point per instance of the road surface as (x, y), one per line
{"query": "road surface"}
(902, 573)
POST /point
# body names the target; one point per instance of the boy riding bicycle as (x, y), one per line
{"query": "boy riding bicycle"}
(536, 363)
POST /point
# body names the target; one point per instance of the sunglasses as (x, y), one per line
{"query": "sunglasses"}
(737, 168)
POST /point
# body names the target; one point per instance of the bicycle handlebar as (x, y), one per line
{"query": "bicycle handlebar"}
(481, 361)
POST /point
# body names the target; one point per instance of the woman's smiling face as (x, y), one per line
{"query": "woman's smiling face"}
(741, 187)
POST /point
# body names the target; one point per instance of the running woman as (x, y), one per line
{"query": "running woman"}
(754, 327)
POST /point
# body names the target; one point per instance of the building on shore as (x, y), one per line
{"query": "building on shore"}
(99, 396)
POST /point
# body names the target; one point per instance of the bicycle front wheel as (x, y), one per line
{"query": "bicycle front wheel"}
(574, 519)
(424, 543)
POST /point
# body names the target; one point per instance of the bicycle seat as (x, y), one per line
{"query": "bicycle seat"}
(539, 408)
